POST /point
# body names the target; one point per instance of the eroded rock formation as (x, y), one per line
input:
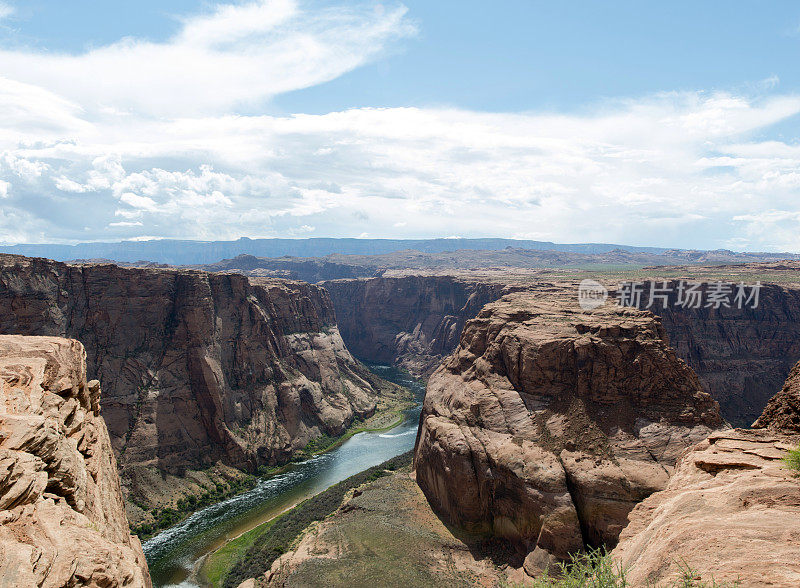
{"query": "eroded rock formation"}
(548, 425)
(730, 512)
(411, 321)
(62, 518)
(782, 412)
(198, 368)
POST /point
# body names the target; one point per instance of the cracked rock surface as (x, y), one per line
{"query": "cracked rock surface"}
(62, 517)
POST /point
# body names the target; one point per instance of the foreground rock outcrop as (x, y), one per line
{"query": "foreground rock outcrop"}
(62, 518)
(731, 511)
(198, 368)
(548, 424)
(411, 321)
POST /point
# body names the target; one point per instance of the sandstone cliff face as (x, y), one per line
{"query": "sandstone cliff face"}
(740, 355)
(198, 367)
(62, 519)
(411, 321)
(731, 511)
(547, 425)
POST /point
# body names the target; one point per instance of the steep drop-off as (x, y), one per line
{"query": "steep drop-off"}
(548, 425)
(411, 321)
(742, 355)
(200, 367)
(730, 512)
(62, 519)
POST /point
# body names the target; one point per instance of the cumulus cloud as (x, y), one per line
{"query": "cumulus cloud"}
(93, 152)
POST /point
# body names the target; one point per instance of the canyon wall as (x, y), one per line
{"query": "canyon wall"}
(548, 425)
(742, 356)
(410, 321)
(62, 519)
(730, 512)
(198, 368)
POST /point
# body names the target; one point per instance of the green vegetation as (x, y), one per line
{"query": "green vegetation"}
(168, 516)
(595, 569)
(792, 459)
(253, 553)
(218, 563)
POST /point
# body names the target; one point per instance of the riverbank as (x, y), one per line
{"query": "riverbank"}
(383, 533)
(173, 554)
(388, 414)
(252, 553)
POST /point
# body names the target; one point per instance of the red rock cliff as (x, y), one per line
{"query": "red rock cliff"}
(197, 367)
(547, 425)
(62, 518)
(731, 512)
(411, 321)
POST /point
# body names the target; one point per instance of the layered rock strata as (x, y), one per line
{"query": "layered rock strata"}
(731, 511)
(782, 412)
(199, 368)
(741, 355)
(62, 518)
(411, 321)
(548, 425)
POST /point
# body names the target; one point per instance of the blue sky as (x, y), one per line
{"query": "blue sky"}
(513, 55)
(671, 124)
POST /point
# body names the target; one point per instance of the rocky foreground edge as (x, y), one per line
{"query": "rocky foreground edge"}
(548, 425)
(730, 512)
(62, 517)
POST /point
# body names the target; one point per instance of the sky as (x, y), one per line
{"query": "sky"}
(663, 124)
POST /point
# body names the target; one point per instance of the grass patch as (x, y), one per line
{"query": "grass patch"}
(219, 563)
(271, 540)
(792, 459)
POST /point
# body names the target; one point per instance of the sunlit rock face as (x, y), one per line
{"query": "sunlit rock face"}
(548, 424)
(730, 512)
(62, 518)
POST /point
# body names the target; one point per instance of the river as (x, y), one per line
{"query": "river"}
(175, 552)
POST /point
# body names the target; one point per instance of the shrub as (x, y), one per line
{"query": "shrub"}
(792, 459)
(593, 569)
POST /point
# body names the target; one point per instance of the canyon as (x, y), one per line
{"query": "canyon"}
(204, 371)
(544, 427)
(548, 425)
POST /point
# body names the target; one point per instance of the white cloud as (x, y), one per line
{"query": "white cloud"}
(235, 56)
(676, 169)
(6, 10)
